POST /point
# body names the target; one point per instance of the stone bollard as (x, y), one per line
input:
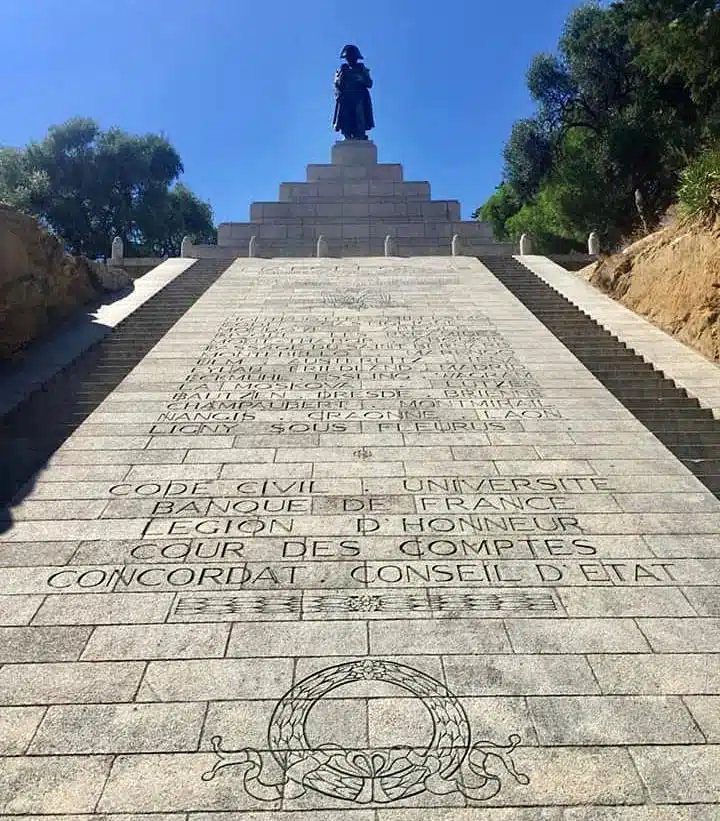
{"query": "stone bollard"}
(252, 246)
(526, 245)
(186, 247)
(117, 252)
(322, 246)
(594, 244)
(390, 247)
(456, 247)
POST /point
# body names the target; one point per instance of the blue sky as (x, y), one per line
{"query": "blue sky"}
(244, 89)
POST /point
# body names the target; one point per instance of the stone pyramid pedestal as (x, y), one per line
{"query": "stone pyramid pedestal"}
(348, 208)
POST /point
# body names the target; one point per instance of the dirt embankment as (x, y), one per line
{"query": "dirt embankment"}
(39, 283)
(672, 278)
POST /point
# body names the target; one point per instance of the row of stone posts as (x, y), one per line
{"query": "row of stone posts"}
(321, 247)
(117, 249)
(526, 245)
(390, 246)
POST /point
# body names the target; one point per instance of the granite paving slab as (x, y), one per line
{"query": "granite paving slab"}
(360, 539)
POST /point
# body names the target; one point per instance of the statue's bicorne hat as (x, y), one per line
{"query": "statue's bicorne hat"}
(351, 49)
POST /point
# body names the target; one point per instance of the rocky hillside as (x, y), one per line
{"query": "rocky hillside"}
(39, 283)
(672, 278)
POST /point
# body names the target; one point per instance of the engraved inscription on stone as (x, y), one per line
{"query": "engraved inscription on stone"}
(360, 536)
(449, 762)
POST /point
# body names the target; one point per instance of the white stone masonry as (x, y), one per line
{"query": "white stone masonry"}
(354, 203)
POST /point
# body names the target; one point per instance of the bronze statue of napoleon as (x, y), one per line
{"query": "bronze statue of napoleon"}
(353, 106)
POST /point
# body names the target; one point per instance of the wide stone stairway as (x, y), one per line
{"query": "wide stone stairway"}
(360, 538)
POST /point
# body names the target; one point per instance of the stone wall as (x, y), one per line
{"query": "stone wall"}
(39, 283)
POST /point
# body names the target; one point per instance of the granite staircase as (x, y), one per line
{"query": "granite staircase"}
(689, 431)
(34, 429)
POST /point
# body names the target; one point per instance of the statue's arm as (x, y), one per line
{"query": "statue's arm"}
(367, 77)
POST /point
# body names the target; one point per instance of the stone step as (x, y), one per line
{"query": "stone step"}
(326, 172)
(686, 428)
(621, 367)
(627, 380)
(704, 449)
(284, 213)
(351, 189)
(654, 417)
(704, 467)
(404, 230)
(712, 482)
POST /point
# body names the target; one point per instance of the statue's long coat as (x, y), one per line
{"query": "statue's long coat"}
(353, 106)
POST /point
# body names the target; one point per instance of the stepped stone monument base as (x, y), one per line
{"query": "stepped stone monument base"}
(351, 205)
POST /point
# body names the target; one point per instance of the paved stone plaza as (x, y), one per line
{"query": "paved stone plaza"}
(360, 539)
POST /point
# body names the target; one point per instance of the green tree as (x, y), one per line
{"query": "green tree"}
(589, 191)
(528, 156)
(19, 186)
(89, 185)
(498, 209)
(630, 96)
(162, 225)
(678, 43)
(545, 221)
